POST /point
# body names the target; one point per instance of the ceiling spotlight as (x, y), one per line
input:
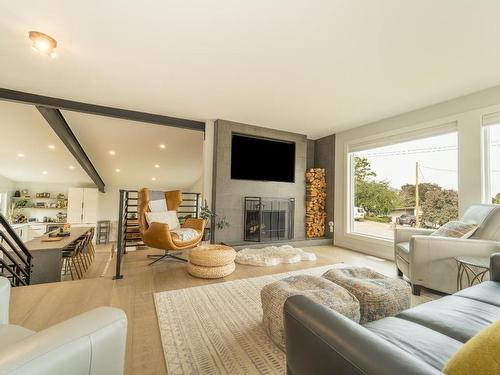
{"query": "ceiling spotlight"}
(44, 172)
(153, 179)
(71, 167)
(20, 155)
(43, 43)
(111, 152)
(162, 146)
(52, 147)
(157, 165)
(117, 170)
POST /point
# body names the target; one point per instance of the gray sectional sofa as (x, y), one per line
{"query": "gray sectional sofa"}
(419, 340)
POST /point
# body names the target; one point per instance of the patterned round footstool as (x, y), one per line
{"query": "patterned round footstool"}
(320, 290)
(379, 296)
(211, 261)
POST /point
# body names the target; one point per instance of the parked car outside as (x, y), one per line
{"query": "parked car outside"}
(406, 219)
(359, 213)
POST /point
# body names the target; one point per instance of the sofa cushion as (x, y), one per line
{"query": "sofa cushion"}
(10, 334)
(430, 346)
(403, 250)
(488, 292)
(479, 355)
(456, 317)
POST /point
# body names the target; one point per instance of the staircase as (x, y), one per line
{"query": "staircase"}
(15, 259)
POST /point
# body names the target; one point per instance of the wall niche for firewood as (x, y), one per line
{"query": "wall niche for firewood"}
(315, 202)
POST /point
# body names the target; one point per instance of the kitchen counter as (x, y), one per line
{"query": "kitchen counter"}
(47, 256)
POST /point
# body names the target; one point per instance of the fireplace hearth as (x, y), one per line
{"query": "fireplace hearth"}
(268, 219)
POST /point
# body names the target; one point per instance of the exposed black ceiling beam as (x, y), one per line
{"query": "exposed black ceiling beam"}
(94, 109)
(56, 120)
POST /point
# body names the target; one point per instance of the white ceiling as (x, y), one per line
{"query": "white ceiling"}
(23, 130)
(137, 151)
(306, 66)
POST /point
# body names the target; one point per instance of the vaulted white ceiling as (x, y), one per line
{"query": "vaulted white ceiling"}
(137, 153)
(308, 66)
(25, 155)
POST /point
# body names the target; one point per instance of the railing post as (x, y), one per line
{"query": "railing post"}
(120, 247)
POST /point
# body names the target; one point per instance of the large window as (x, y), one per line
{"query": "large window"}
(492, 143)
(410, 183)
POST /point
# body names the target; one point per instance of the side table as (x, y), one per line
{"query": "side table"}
(474, 268)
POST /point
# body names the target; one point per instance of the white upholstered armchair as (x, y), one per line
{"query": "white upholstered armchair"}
(428, 261)
(92, 343)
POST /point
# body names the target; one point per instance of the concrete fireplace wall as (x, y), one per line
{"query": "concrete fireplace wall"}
(228, 195)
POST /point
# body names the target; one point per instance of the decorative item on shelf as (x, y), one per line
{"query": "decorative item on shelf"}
(19, 218)
(17, 194)
(61, 196)
(315, 202)
(61, 217)
(43, 195)
(61, 204)
(40, 205)
(212, 217)
(21, 203)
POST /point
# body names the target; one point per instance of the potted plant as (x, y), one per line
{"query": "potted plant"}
(212, 217)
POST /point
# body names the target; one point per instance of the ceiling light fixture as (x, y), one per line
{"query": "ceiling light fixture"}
(157, 165)
(44, 172)
(71, 167)
(43, 43)
(162, 146)
(153, 178)
(117, 170)
(112, 152)
(52, 147)
(20, 155)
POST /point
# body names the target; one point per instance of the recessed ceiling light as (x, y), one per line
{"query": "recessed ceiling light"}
(157, 165)
(153, 178)
(111, 152)
(43, 43)
(44, 172)
(71, 167)
(162, 146)
(52, 147)
(20, 155)
(117, 170)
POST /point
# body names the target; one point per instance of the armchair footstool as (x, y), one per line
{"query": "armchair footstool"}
(320, 290)
(379, 296)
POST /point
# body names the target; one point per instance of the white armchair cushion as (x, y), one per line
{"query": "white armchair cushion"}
(92, 343)
(159, 205)
(11, 334)
(4, 300)
(456, 229)
(166, 217)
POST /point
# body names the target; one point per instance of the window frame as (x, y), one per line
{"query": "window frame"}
(380, 141)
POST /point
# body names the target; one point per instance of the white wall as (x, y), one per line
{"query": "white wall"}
(466, 112)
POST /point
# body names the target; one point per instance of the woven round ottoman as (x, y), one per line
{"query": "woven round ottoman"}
(320, 290)
(379, 296)
(211, 261)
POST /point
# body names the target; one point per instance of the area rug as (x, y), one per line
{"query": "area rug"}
(216, 329)
(273, 255)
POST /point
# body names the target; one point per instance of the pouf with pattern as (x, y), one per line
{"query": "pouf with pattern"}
(320, 290)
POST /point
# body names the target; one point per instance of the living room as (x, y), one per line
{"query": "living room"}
(218, 187)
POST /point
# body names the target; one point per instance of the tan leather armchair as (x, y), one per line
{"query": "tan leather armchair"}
(158, 235)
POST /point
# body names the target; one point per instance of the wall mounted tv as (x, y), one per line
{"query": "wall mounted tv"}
(262, 159)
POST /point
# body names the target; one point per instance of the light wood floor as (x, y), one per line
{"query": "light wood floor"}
(40, 306)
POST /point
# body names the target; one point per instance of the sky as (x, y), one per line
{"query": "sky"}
(437, 157)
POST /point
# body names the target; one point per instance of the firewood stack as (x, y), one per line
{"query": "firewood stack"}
(315, 202)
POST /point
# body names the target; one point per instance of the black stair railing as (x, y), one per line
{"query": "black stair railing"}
(15, 259)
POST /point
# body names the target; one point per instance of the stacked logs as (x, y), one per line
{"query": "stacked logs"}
(315, 202)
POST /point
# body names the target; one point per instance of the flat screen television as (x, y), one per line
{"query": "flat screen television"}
(262, 159)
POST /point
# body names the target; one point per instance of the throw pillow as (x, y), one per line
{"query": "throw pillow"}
(165, 217)
(159, 205)
(479, 356)
(456, 229)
